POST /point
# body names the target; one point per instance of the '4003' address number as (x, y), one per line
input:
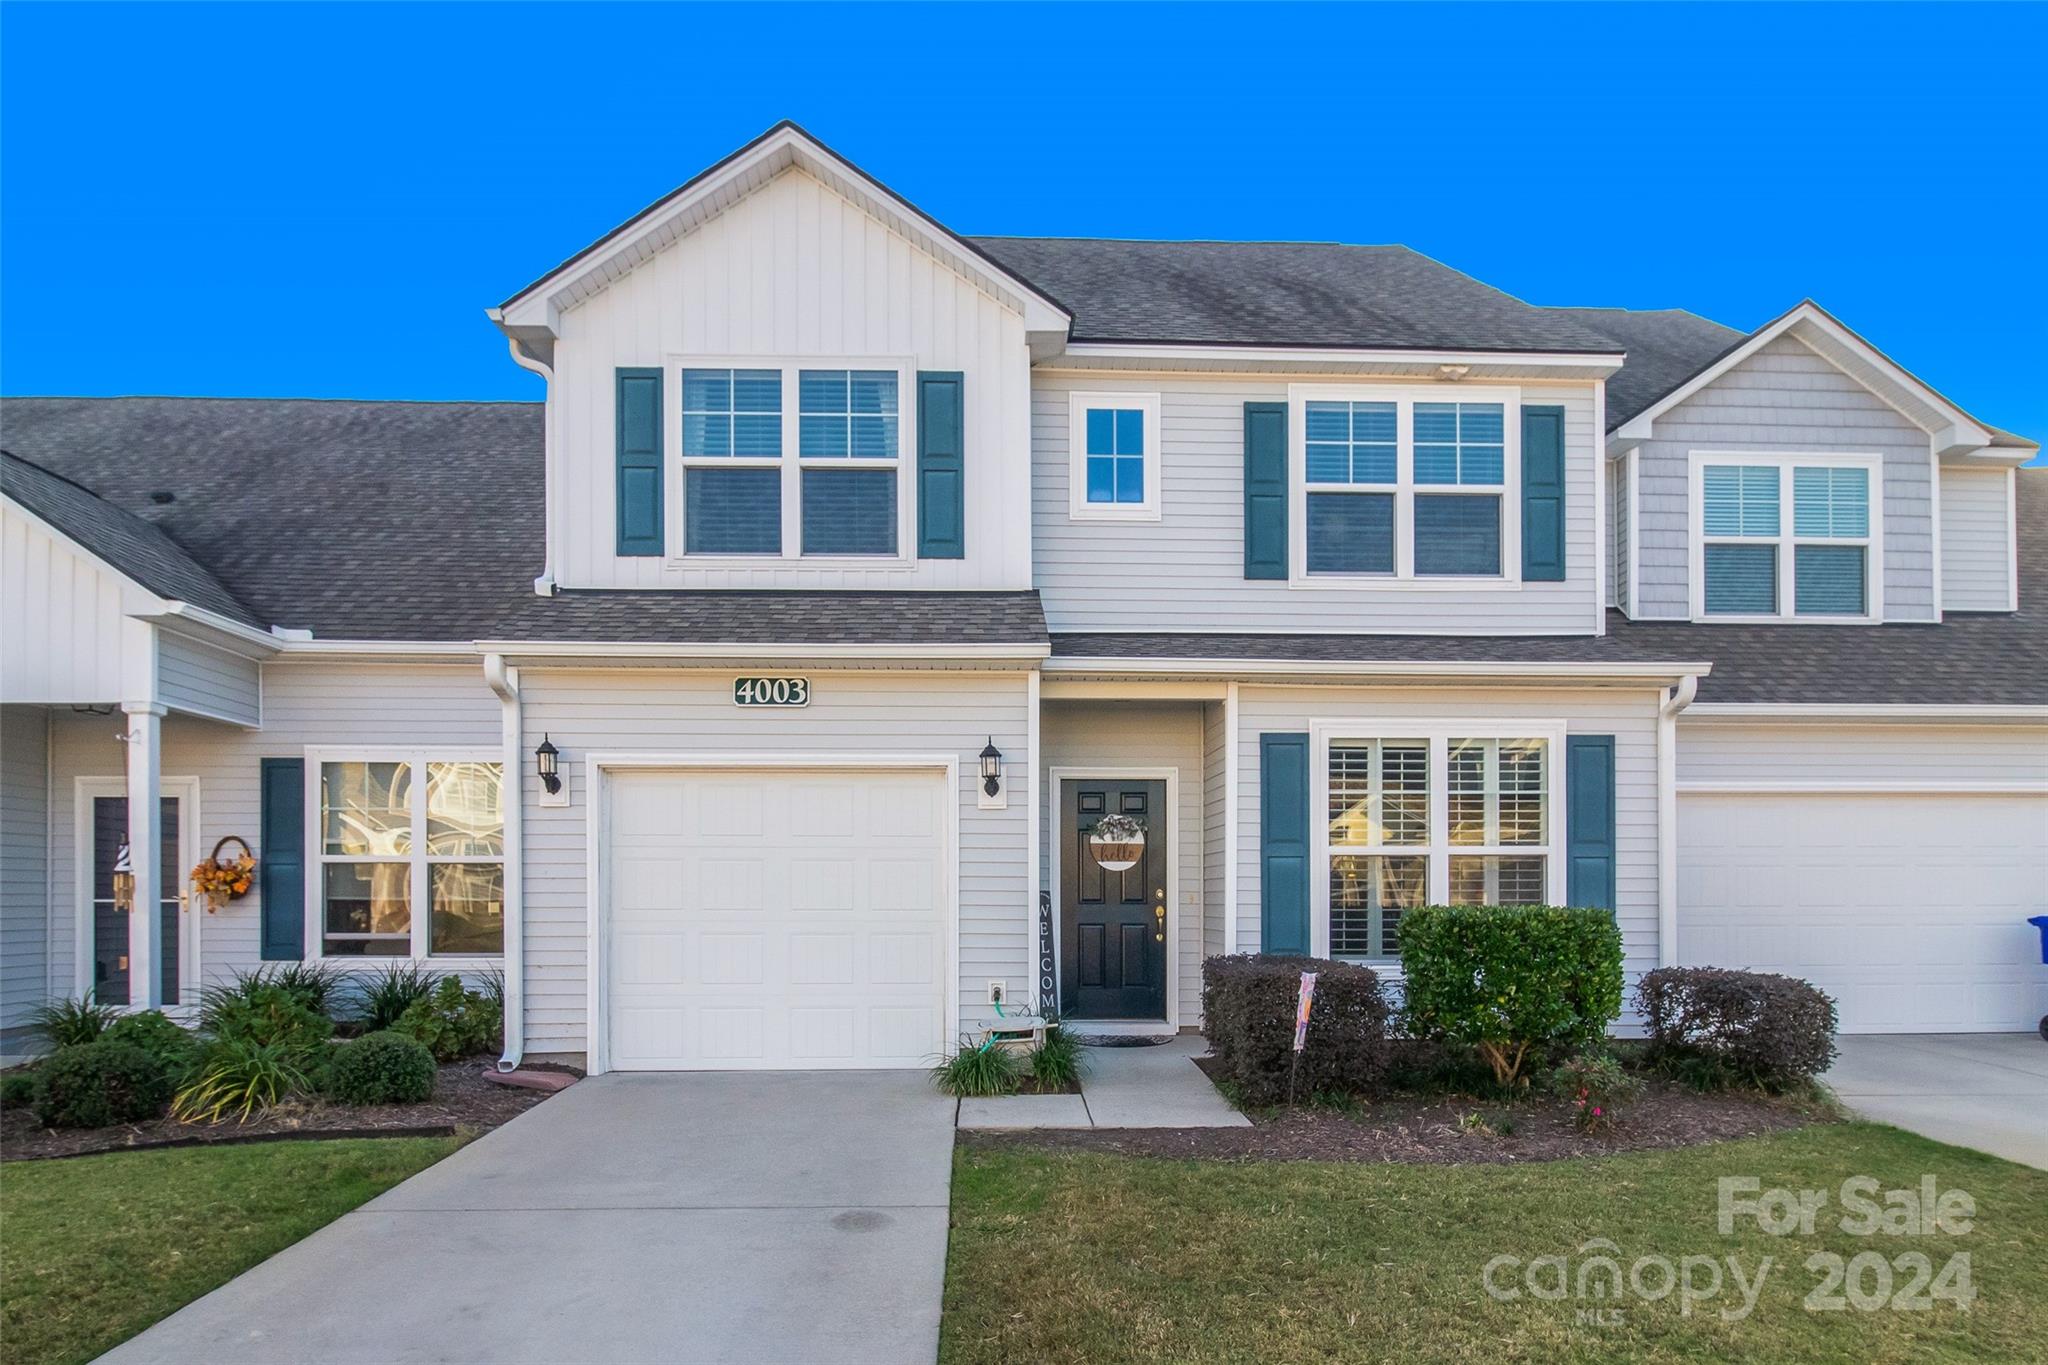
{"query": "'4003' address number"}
(771, 691)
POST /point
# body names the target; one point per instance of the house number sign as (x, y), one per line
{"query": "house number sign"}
(771, 691)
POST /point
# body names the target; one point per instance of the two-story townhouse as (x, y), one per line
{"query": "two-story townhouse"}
(758, 698)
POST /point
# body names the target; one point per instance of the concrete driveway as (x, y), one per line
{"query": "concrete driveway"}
(1983, 1090)
(780, 1216)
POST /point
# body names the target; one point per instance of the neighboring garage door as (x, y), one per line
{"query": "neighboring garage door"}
(777, 919)
(1910, 910)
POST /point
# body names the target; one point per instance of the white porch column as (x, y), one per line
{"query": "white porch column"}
(145, 843)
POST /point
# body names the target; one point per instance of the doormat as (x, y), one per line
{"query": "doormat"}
(1121, 1040)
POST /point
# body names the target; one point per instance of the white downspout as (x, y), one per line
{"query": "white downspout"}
(545, 584)
(505, 682)
(1668, 708)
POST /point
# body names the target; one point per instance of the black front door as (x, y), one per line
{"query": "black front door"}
(1113, 923)
(110, 926)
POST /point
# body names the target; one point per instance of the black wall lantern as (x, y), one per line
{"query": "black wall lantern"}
(991, 767)
(546, 758)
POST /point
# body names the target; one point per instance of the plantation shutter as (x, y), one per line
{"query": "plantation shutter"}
(1265, 490)
(941, 465)
(1283, 843)
(281, 859)
(1589, 820)
(1543, 494)
(639, 462)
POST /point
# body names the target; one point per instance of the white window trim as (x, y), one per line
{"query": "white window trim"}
(1438, 733)
(790, 463)
(1079, 403)
(317, 858)
(1405, 488)
(1785, 461)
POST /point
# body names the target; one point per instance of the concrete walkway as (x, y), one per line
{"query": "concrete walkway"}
(1983, 1090)
(1122, 1087)
(777, 1216)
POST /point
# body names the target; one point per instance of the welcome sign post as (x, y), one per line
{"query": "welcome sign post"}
(1301, 1008)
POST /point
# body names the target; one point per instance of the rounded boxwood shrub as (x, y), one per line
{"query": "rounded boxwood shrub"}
(1511, 980)
(96, 1084)
(155, 1033)
(1248, 1007)
(381, 1068)
(17, 1089)
(1754, 1027)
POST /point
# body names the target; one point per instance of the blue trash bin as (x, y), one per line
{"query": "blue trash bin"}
(2041, 922)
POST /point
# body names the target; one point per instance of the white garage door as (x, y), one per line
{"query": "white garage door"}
(775, 919)
(1910, 910)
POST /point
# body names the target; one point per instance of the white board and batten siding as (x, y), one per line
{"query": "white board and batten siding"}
(305, 704)
(66, 621)
(689, 716)
(792, 270)
(1630, 715)
(1977, 551)
(1185, 571)
(24, 869)
(1785, 399)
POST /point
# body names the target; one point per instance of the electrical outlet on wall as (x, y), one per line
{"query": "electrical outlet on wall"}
(998, 993)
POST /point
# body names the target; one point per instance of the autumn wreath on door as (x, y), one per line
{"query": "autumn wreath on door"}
(225, 875)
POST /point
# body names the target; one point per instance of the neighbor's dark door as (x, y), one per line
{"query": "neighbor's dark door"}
(110, 926)
(1113, 924)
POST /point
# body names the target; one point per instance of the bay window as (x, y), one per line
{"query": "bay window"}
(1451, 812)
(1784, 537)
(410, 855)
(1405, 484)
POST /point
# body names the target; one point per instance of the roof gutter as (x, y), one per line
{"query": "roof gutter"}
(742, 650)
(504, 681)
(1623, 670)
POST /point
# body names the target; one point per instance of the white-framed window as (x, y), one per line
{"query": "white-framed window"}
(1786, 536)
(1413, 486)
(407, 854)
(794, 459)
(1430, 812)
(1114, 466)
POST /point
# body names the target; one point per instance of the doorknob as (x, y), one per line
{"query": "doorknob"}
(1159, 912)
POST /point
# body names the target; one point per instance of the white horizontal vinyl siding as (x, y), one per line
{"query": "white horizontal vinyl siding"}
(24, 867)
(1900, 757)
(1976, 539)
(1185, 572)
(1631, 717)
(198, 678)
(1785, 398)
(659, 711)
(790, 271)
(305, 703)
(1090, 736)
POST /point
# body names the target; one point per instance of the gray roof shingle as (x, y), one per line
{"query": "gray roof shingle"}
(1665, 346)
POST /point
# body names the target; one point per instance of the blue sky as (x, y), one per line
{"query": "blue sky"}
(321, 201)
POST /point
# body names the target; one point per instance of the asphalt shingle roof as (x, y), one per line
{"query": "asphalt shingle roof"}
(1665, 346)
(1281, 294)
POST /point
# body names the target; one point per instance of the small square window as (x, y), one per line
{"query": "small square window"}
(1114, 467)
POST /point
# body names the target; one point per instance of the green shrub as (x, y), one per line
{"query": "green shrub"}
(265, 1014)
(381, 1068)
(17, 1089)
(1248, 1009)
(155, 1033)
(313, 984)
(975, 1072)
(241, 1074)
(1509, 980)
(93, 1085)
(453, 1022)
(1712, 1026)
(1597, 1087)
(384, 996)
(68, 1023)
(1056, 1063)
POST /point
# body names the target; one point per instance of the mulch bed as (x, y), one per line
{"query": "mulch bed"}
(463, 1100)
(1427, 1131)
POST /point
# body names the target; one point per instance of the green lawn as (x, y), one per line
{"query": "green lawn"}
(94, 1249)
(1097, 1258)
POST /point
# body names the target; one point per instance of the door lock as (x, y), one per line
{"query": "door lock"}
(1159, 912)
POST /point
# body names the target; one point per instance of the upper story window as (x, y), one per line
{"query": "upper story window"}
(1114, 462)
(1784, 536)
(841, 495)
(1403, 485)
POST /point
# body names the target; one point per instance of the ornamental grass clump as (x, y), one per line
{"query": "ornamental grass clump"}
(976, 1072)
(1056, 1063)
(1512, 982)
(68, 1023)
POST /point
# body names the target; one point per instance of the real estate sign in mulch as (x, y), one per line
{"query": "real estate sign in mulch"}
(462, 1100)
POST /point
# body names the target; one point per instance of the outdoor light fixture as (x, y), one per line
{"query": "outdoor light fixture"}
(545, 760)
(991, 768)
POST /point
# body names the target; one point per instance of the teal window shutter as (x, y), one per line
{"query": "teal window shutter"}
(1589, 820)
(941, 465)
(281, 859)
(1283, 843)
(639, 462)
(1265, 492)
(1543, 494)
